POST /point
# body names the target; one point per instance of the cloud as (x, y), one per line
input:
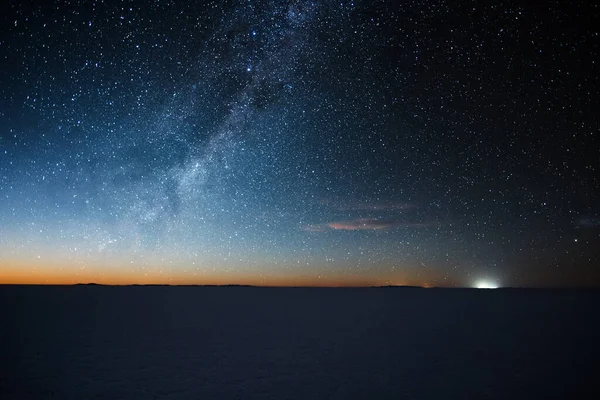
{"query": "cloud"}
(368, 206)
(362, 224)
(589, 222)
(379, 206)
(365, 224)
(366, 216)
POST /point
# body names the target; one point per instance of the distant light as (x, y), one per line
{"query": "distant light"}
(486, 285)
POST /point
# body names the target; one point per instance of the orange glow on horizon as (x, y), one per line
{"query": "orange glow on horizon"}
(123, 279)
(22, 273)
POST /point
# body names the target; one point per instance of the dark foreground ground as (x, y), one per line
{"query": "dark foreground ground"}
(89, 342)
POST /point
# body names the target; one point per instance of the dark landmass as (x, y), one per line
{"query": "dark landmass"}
(397, 287)
(503, 288)
(91, 284)
(297, 343)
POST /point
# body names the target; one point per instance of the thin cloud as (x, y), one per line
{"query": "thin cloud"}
(368, 206)
(588, 222)
(365, 224)
(362, 224)
(379, 206)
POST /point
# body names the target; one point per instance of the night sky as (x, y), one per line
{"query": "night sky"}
(297, 142)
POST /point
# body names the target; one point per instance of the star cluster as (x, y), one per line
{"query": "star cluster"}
(299, 142)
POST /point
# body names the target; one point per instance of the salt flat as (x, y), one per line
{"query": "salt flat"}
(102, 342)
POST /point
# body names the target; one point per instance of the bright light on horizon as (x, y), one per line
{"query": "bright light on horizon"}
(486, 285)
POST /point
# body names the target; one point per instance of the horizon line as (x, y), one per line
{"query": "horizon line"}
(297, 286)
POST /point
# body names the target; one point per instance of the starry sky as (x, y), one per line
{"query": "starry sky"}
(299, 142)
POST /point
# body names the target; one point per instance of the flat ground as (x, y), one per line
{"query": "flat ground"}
(91, 342)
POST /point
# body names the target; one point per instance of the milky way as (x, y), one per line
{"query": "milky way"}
(299, 142)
